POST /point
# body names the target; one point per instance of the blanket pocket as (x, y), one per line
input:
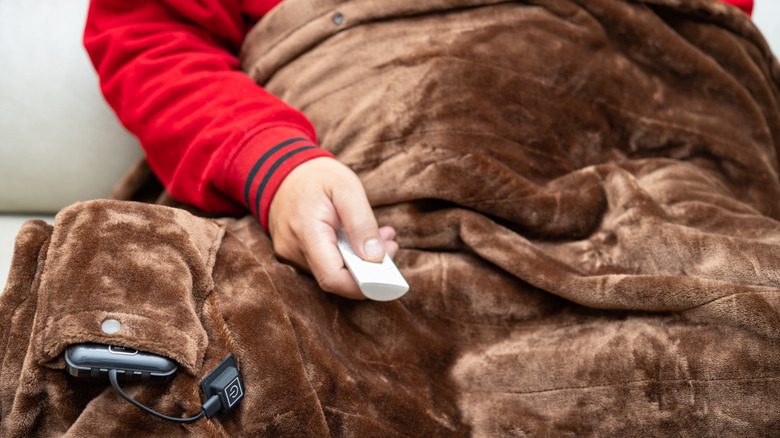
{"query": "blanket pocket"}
(128, 274)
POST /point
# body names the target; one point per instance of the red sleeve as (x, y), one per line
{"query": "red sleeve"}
(745, 5)
(214, 138)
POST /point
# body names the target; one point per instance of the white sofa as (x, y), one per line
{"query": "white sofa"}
(59, 141)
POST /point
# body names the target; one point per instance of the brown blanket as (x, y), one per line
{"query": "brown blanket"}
(588, 206)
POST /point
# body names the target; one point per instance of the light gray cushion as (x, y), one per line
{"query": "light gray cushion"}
(766, 15)
(59, 140)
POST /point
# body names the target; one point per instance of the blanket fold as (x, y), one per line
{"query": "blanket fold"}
(587, 200)
(622, 155)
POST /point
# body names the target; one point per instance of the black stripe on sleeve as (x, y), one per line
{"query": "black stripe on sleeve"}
(272, 169)
(261, 161)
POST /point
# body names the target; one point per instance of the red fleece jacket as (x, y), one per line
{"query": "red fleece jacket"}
(215, 139)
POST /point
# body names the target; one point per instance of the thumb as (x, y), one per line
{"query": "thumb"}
(359, 222)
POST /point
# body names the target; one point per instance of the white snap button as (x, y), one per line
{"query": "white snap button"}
(111, 326)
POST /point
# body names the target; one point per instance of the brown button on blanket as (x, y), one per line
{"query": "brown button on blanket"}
(588, 205)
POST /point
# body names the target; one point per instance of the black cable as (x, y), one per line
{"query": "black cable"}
(115, 383)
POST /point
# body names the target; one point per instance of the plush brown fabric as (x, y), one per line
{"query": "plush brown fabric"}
(588, 205)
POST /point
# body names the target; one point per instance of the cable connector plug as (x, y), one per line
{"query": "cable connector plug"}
(223, 388)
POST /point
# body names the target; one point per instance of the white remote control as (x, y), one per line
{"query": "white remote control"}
(378, 281)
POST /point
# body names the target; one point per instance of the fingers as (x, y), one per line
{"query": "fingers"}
(313, 201)
(388, 236)
(314, 250)
(358, 220)
(324, 260)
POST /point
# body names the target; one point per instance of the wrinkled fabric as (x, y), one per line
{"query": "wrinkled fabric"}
(587, 201)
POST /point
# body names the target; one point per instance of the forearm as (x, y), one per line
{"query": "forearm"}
(170, 73)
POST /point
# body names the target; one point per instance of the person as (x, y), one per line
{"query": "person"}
(216, 140)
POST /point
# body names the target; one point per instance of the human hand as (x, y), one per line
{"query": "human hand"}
(317, 198)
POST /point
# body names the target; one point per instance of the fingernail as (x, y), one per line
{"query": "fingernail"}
(374, 249)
